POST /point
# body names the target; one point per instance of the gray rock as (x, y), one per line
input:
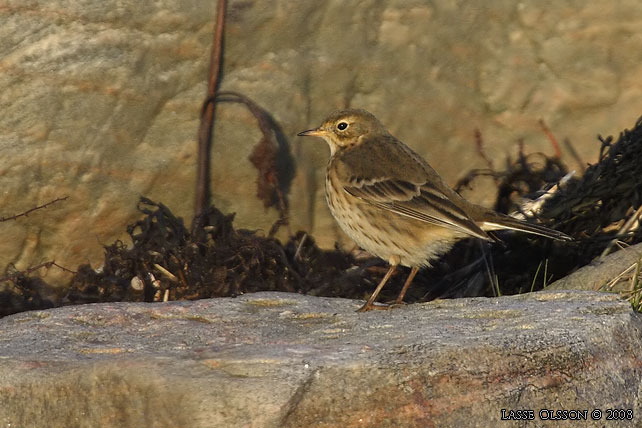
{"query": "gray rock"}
(602, 271)
(285, 360)
(100, 99)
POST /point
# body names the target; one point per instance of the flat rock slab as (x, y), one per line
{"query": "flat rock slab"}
(285, 360)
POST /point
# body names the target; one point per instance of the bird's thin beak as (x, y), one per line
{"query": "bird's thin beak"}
(317, 132)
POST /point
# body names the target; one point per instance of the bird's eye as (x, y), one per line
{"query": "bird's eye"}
(342, 126)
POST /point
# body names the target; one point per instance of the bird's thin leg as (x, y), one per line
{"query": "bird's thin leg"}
(369, 304)
(406, 285)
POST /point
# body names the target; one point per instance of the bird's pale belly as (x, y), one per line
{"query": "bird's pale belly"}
(388, 235)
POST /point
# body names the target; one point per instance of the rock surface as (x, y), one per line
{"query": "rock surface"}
(604, 272)
(284, 360)
(100, 99)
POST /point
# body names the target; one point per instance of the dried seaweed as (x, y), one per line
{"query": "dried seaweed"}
(168, 262)
(271, 157)
(26, 293)
(592, 206)
(592, 209)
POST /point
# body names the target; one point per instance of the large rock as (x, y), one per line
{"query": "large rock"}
(614, 272)
(285, 360)
(100, 99)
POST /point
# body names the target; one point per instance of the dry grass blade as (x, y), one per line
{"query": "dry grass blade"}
(609, 285)
(628, 226)
(165, 272)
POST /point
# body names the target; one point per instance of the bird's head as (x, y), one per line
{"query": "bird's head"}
(344, 128)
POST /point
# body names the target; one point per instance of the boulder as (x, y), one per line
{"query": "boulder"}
(603, 272)
(559, 359)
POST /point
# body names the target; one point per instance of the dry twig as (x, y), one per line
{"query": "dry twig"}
(32, 269)
(551, 137)
(29, 211)
(207, 116)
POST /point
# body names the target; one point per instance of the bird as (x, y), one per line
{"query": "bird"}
(393, 204)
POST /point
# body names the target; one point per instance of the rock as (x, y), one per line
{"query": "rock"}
(286, 360)
(602, 271)
(101, 99)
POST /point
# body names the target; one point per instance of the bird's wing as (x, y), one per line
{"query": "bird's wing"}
(398, 180)
(418, 201)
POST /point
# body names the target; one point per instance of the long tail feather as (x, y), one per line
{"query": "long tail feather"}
(505, 222)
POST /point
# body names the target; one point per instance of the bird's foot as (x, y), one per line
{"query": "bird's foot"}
(371, 306)
(398, 304)
(393, 304)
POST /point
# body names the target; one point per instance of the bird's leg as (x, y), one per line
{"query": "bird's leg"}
(369, 304)
(406, 285)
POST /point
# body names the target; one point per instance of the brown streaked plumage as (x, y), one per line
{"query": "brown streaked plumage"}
(393, 204)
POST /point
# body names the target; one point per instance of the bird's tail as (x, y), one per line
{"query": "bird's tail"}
(500, 222)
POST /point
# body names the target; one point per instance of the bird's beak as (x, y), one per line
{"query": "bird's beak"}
(317, 132)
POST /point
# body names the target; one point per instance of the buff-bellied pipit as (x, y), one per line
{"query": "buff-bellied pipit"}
(393, 204)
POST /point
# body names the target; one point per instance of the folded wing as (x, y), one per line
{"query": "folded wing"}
(422, 202)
